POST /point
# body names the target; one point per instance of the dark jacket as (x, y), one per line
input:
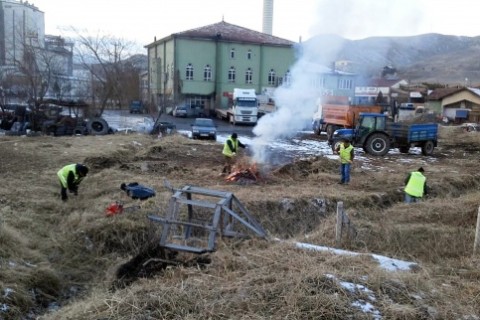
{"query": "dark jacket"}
(229, 144)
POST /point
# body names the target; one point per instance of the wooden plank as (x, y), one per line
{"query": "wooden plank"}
(199, 203)
(476, 245)
(259, 232)
(184, 223)
(338, 227)
(207, 192)
(180, 247)
(247, 214)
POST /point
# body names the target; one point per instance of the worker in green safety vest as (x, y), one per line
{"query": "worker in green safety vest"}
(229, 152)
(415, 186)
(346, 152)
(70, 177)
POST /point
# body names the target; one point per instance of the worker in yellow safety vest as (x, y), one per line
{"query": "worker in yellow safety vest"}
(229, 152)
(415, 186)
(346, 153)
(70, 177)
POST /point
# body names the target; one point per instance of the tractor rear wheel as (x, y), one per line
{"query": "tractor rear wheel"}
(377, 144)
(427, 148)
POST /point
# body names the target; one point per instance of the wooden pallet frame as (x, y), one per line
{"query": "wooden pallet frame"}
(223, 220)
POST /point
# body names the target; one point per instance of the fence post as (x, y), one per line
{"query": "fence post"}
(476, 245)
(338, 229)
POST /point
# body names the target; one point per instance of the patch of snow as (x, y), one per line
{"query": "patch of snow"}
(392, 264)
(367, 307)
(389, 264)
(362, 304)
(136, 143)
(7, 291)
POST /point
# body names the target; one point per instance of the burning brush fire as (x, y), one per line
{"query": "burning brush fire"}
(244, 172)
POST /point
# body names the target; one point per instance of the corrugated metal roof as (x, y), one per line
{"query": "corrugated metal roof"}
(224, 31)
(475, 91)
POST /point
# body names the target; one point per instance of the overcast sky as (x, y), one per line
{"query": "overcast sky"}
(142, 20)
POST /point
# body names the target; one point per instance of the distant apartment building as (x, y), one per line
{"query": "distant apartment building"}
(25, 51)
(22, 24)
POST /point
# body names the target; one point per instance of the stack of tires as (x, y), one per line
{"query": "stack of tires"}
(98, 126)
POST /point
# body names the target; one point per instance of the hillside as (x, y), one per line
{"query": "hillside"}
(71, 261)
(428, 57)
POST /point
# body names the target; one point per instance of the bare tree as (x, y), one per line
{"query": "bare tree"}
(114, 79)
(33, 70)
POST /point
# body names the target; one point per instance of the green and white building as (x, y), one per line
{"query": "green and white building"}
(202, 66)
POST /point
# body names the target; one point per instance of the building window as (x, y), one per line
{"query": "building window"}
(345, 83)
(318, 82)
(189, 72)
(172, 73)
(288, 78)
(249, 54)
(271, 77)
(248, 76)
(232, 53)
(231, 74)
(207, 73)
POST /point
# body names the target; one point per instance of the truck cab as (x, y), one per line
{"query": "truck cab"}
(136, 106)
(244, 107)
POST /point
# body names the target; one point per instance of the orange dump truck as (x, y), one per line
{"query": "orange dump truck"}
(330, 117)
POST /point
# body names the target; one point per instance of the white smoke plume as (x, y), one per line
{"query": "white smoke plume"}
(297, 103)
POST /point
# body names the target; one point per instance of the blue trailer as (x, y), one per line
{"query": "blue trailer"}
(376, 135)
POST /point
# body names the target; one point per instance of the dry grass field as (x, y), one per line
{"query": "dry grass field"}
(62, 260)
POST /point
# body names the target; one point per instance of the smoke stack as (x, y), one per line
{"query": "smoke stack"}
(267, 16)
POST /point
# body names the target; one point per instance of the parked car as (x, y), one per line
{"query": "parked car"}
(137, 106)
(186, 111)
(181, 111)
(163, 127)
(204, 128)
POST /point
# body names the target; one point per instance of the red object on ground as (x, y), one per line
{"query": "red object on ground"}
(113, 209)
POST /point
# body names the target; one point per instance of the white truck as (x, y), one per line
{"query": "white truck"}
(243, 107)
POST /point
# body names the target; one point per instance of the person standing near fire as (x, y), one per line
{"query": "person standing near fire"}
(229, 152)
(70, 177)
(346, 152)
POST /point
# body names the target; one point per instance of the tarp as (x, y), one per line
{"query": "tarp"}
(461, 113)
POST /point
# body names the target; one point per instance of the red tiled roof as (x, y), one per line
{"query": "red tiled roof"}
(229, 32)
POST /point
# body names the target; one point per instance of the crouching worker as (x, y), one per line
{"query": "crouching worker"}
(229, 152)
(70, 177)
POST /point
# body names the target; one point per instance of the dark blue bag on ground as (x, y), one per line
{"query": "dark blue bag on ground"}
(137, 191)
